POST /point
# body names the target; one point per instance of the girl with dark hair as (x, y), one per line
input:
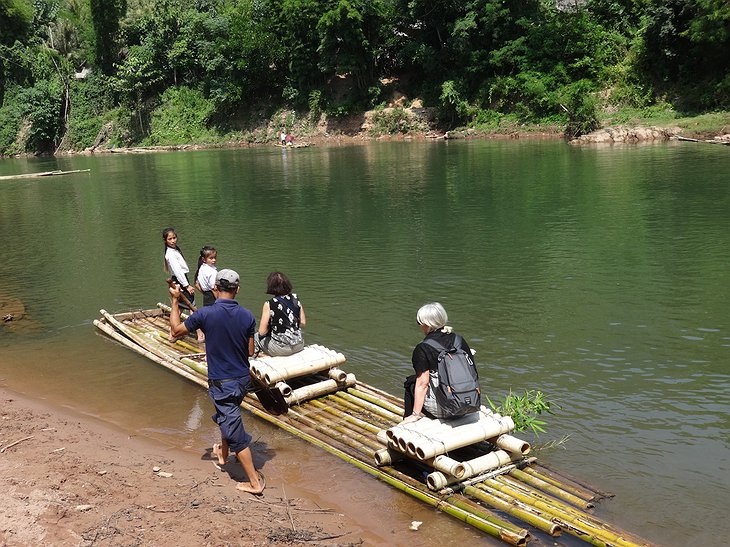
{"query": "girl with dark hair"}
(178, 269)
(205, 274)
(282, 319)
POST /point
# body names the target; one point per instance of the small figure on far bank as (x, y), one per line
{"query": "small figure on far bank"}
(282, 136)
(178, 269)
(229, 329)
(282, 319)
(289, 139)
(419, 399)
(205, 274)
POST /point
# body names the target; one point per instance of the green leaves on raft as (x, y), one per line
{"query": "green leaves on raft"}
(524, 409)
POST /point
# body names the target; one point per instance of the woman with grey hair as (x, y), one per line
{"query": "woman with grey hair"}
(432, 319)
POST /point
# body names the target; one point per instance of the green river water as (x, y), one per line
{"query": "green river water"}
(600, 276)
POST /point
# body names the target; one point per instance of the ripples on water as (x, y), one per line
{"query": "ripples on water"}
(598, 275)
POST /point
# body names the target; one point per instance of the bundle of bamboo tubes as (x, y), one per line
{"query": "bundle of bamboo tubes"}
(310, 360)
(430, 440)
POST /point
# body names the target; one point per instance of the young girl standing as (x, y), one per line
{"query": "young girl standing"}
(176, 266)
(205, 274)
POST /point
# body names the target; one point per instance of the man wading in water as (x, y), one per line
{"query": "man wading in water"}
(229, 330)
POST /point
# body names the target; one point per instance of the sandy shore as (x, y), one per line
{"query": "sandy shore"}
(70, 480)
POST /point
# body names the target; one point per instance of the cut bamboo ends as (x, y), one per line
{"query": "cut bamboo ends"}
(324, 387)
(310, 360)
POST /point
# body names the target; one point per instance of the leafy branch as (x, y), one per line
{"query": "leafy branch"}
(524, 409)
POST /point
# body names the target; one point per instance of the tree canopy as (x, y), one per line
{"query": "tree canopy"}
(471, 59)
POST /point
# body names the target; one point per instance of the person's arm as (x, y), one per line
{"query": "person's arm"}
(177, 327)
(419, 397)
(251, 346)
(302, 317)
(265, 314)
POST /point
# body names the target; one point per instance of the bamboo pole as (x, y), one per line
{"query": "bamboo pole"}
(548, 473)
(112, 333)
(395, 409)
(579, 491)
(512, 444)
(344, 395)
(571, 519)
(516, 481)
(338, 375)
(362, 424)
(387, 456)
(463, 436)
(324, 387)
(550, 489)
(539, 522)
(487, 462)
(137, 335)
(340, 403)
(284, 388)
(310, 360)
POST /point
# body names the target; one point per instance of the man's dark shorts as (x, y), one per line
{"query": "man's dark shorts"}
(227, 396)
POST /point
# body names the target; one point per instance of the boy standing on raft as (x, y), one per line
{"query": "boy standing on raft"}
(229, 330)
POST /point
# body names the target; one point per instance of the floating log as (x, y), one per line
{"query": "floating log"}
(43, 174)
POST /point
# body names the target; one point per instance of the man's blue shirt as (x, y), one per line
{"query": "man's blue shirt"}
(228, 327)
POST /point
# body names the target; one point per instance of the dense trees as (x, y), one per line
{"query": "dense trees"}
(214, 63)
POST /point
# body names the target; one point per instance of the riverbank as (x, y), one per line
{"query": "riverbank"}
(71, 480)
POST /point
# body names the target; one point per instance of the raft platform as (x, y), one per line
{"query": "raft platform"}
(471, 469)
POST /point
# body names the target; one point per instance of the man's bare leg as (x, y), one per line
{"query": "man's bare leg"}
(221, 451)
(255, 484)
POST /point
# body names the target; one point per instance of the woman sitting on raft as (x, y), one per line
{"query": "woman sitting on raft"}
(418, 399)
(282, 319)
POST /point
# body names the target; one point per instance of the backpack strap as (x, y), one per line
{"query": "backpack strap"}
(434, 344)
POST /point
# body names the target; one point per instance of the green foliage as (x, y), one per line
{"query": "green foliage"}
(106, 15)
(11, 113)
(524, 409)
(90, 99)
(42, 104)
(452, 103)
(391, 121)
(315, 104)
(16, 17)
(181, 118)
(490, 64)
(581, 104)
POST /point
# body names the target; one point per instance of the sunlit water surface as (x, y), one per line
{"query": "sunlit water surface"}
(597, 275)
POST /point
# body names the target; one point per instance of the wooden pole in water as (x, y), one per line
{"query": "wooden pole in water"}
(539, 522)
(572, 520)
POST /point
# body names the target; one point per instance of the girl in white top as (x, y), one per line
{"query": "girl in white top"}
(178, 269)
(205, 275)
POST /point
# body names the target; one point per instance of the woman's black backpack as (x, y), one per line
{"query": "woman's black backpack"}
(457, 392)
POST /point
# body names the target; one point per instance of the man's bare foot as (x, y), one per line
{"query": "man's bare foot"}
(250, 488)
(219, 454)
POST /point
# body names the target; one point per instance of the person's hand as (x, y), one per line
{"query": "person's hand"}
(410, 419)
(191, 290)
(174, 291)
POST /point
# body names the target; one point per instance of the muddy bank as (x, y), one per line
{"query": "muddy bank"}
(70, 480)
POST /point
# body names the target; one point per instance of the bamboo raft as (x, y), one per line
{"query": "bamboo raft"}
(483, 476)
